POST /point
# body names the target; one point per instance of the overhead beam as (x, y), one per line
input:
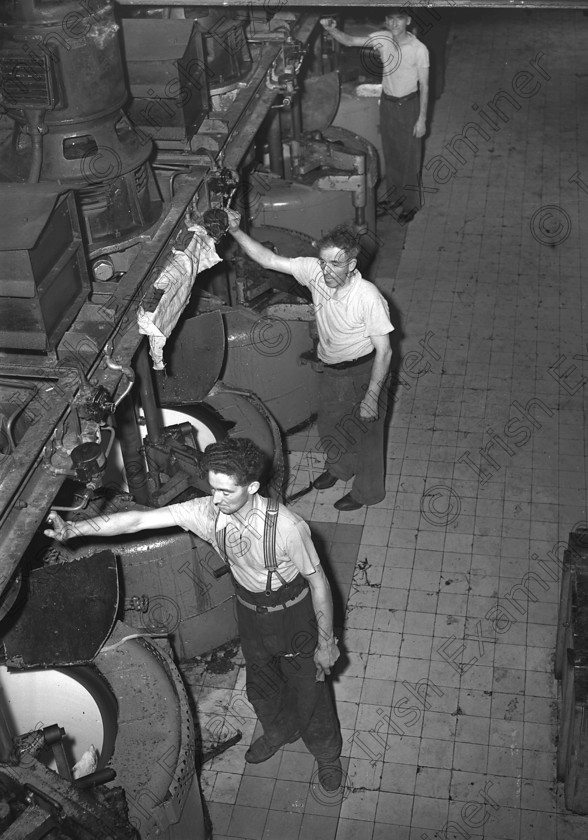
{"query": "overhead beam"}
(273, 6)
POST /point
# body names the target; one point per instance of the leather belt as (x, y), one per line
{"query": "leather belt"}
(260, 608)
(400, 99)
(352, 363)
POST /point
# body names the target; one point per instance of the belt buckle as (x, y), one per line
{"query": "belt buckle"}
(259, 608)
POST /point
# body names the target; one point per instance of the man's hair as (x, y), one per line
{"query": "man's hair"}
(342, 237)
(239, 458)
(400, 11)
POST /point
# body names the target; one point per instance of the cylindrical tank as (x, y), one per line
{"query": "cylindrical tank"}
(36, 698)
(176, 584)
(131, 705)
(264, 355)
(155, 749)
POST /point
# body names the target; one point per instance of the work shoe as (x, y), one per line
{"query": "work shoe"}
(330, 774)
(261, 749)
(324, 481)
(347, 502)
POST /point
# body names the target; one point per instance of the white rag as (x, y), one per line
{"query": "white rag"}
(176, 279)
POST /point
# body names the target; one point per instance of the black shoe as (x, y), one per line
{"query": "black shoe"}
(330, 775)
(348, 503)
(324, 481)
(261, 749)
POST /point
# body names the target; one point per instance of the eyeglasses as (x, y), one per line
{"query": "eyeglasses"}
(333, 263)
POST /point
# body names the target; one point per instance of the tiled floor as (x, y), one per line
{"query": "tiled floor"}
(446, 695)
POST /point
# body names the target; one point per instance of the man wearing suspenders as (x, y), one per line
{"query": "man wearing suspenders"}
(284, 604)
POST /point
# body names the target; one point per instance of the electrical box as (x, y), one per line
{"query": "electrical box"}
(167, 76)
(43, 273)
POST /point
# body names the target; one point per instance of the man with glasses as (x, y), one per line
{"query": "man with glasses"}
(353, 324)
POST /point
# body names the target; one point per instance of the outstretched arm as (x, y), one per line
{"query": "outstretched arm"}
(127, 522)
(258, 252)
(342, 37)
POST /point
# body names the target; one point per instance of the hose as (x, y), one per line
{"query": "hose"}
(36, 130)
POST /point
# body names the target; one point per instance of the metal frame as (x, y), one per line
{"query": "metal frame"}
(27, 487)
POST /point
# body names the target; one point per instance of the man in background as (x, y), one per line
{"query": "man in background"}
(403, 105)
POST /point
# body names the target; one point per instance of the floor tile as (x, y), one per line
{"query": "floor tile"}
(282, 824)
(247, 823)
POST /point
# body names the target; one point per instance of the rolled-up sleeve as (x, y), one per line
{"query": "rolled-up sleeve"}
(299, 547)
(197, 516)
(377, 315)
(306, 270)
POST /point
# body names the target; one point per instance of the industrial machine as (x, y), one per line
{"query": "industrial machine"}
(126, 132)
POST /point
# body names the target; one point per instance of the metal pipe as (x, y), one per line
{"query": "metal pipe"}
(274, 139)
(124, 369)
(6, 735)
(85, 499)
(296, 117)
(100, 777)
(129, 437)
(147, 394)
(35, 127)
(295, 128)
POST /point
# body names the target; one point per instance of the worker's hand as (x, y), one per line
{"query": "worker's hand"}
(368, 408)
(234, 220)
(420, 128)
(328, 23)
(325, 656)
(60, 530)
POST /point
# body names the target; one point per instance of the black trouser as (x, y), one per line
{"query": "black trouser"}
(402, 151)
(281, 675)
(353, 445)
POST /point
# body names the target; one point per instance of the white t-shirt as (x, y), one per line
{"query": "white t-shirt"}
(295, 551)
(400, 63)
(345, 317)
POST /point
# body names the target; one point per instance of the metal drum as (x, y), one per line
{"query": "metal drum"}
(77, 699)
(131, 705)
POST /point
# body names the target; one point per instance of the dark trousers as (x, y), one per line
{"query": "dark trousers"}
(281, 684)
(402, 151)
(353, 446)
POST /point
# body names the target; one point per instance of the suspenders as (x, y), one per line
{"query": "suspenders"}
(269, 543)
